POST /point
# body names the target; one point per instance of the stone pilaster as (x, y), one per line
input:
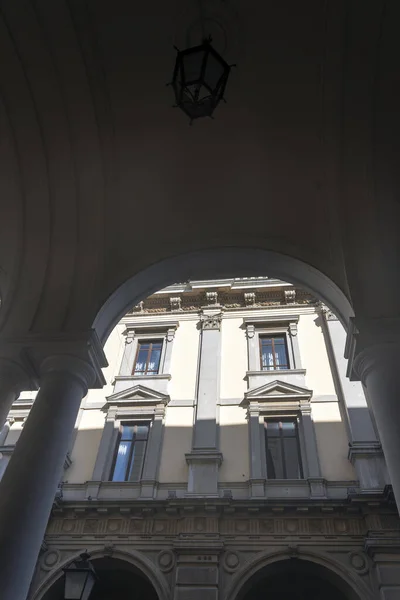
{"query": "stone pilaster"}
(204, 459)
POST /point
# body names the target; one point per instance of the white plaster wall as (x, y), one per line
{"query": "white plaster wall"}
(314, 357)
(86, 446)
(114, 349)
(177, 441)
(332, 442)
(185, 352)
(234, 361)
(234, 444)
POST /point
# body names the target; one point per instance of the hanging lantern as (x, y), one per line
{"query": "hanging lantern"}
(80, 578)
(199, 80)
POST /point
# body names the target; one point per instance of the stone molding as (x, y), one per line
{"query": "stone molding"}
(199, 519)
(204, 456)
(364, 449)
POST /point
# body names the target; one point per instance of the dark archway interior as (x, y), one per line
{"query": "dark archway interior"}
(296, 580)
(116, 579)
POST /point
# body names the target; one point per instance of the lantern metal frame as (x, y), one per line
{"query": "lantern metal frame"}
(81, 565)
(192, 104)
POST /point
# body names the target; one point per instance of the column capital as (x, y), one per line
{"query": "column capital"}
(211, 320)
(72, 366)
(15, 375)
(36, 348)
(370, 342)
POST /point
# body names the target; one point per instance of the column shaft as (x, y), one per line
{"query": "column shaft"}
(377, 367)
(365, 451)
(29, 484)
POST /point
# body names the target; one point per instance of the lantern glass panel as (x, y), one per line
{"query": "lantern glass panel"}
(214, 71)
(74, 584)
(192, 65)
(89, 586)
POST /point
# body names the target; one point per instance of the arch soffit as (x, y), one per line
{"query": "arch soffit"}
(134, 558)
(217, 263)
(250, 568)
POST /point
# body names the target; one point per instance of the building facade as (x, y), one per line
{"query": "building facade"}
(227, 451)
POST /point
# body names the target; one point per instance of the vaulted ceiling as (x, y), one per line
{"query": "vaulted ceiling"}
(101, 177)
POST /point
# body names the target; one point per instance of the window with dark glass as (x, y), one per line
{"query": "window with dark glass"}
(283, 449)
(131, 450)
(148, 358)
(273, 353)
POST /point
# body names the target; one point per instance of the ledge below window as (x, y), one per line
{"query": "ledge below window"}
(294, 376)
(157, 382)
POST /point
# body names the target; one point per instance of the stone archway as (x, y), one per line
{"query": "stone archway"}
(295, 579)
(219, 263)
(117, 578)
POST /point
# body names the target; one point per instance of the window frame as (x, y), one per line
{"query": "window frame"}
(281, 400)
(272, 337)
(138, 404)
(149, 341)
(281, 437)
(284, 326)
(138, 331)
(129, 423)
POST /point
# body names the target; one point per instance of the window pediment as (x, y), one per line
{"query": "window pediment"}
(277, 391)
(137, 395)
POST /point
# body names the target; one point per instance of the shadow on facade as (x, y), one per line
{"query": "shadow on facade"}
(332, 446)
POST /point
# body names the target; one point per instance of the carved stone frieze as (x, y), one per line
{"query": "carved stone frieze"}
(176, 525)
(189, 302)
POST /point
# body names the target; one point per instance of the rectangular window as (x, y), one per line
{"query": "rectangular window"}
(273, 353)
(131, 450)
(283, 449)
(148, 358)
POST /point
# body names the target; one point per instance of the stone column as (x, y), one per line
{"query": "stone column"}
(205, 457)
(365, 451)
(29, 484)
(13, 380)
(378, 368)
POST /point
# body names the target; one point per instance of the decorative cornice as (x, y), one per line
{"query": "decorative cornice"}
(143, 325)
(192, 298)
